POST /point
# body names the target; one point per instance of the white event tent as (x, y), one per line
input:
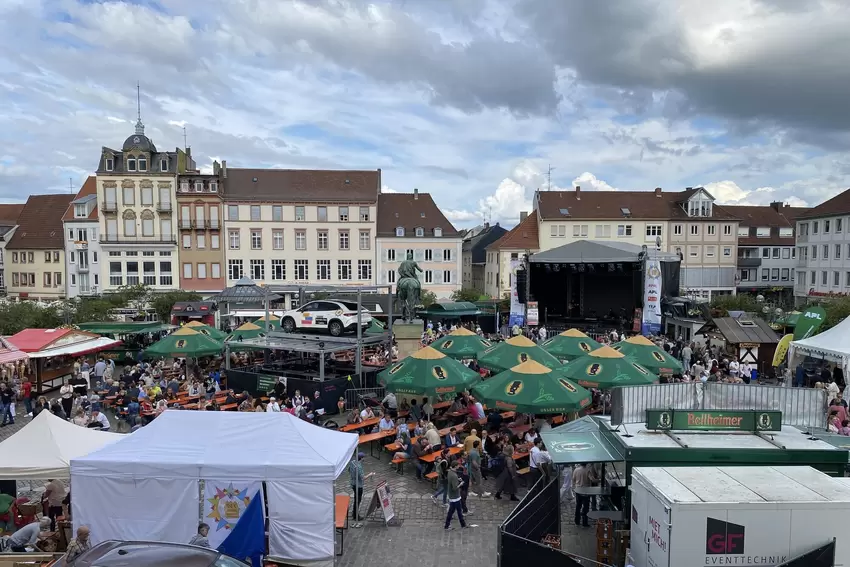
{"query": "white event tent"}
(832, 345)
(146, 487)
(44, 447)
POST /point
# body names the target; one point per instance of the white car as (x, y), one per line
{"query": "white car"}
(337, 317)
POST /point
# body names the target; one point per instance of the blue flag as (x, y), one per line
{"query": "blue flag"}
(247, 539)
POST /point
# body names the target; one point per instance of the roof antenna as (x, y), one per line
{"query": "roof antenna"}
(140, 128)
(549, 178)
(71, 184)
(185, 144)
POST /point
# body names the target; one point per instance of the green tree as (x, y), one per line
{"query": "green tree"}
(505, 303)
(162, 303)
(837, 309)
(15, 317)
(86, 309)
(136, 297)
(427, 298)
(466, 294)
(721, 305)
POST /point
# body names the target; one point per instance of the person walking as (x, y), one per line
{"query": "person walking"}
(356, 479)
(453, 485)
(475, 478)
(507, 480)
(581, 481)
(442, 477)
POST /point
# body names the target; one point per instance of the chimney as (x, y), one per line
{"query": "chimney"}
(224, 168)
(578, 192)
(658, 192)
(486, 225)
(216, 167)
(776, 206)
(523, 215)
(415, 194)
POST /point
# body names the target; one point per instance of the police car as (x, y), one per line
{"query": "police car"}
(334, 316)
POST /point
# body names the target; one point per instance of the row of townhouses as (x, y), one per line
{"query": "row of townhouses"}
(151, 217)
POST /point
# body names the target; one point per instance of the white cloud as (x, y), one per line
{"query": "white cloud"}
(589, 181)
(730, 193)
(461, 216)
(387, 189)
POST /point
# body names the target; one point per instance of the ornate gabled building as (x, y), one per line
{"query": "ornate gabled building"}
(136, 193)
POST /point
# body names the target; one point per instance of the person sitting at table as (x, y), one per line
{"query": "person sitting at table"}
(80, 418)
(99, 421)
(133, 391)
(494, 420)
(134, 410)
(366, 413)
(531, 435)
(457, 405)
(247, 404)
(452, 439)
(57, 410)
(420, 449)
(231, 397)
(353, 417)
(419, 429)
(386, 423)
(405, 446)
(195, 389)
(433, 436)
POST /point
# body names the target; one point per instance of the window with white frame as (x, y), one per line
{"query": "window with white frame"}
(322, 240)
(399, 231)
(149, 273)
(711, 229)
(699, 207)
(187, 270)
(624, 230)
(693, 251)
(787, 232)
(727, 230)
(765, 274)
(233, 236)
(277, 239)
(343, 214)
(165, 277)
(278, 269)
(391, 276)
(839, 225)
(187, 241)
(322, 214)
(774, 274)
(743, 231)
(420, 232)
(110, 164)
(131, 164)
(815, 229)
(677, 230)
(447, 255)
(365, 240)
(116, 274)
(301, 240)
(343, 269)
(447, 276)
(258, 270)
(129, 196)
(256, 239)
(233, 212)
(301, 270)
(391, 255)
(344, 240)
(429, 255)
(299, 214)
(775, 253)
(163, 164)
(201, 241)
(143, 163)
(364, 269)
(215, 243)
(202, 271)
(814, 252)
(837, 252)
(826, 251)
(694, 231)
(215, 270)
(709, 251)
(603, 231)
(429, 277)
(786, 274)
(763, 232)
(836, 279)
(580, 230)
(826, 226)
(323, 270)
(727, 251)
(438, 232)
(364, 217)
(653, 230)
(234, 269)
(147, 196)
(184, 186)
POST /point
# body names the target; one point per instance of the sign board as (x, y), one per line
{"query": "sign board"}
(809, 322)
(266, 382)
(716, 420)
(651, 322)
(532, 313)
(382, 497)
(782, 349)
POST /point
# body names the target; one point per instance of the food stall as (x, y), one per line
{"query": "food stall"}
(52, 352)
(135, 336)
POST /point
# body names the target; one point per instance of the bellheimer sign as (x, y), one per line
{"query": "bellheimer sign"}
(719, 420)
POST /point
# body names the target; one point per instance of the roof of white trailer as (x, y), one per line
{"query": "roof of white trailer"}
(743, 484)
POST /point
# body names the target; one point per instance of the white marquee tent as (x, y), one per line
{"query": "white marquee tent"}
(44, 447)
(147, 486)
(832, 345)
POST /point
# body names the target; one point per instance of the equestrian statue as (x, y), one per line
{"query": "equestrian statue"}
(408, 288)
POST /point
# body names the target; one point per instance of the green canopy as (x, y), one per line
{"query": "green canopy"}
(125, 327)
(513, 351)
(376, 328)
(427, 372)
(184, 342)
(245, 331)
(570, 344)
(450, 310)
(461, 343)
(607, 368)
(206, 330)
(531, 387)
(647, 354)
(274, 322)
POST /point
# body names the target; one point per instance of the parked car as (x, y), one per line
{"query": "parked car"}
(113, 553)
(331, 315)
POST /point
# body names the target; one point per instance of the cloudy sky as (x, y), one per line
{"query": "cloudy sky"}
(471, 100)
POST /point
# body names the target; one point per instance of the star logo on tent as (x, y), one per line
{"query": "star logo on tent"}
(226, 507)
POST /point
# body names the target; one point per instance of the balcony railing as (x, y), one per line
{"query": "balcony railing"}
(163, 207)
(214, 224)
(83, 269)
(118, 239)
(109, 207)
(750, 262)
(802, 262)
(186, 225)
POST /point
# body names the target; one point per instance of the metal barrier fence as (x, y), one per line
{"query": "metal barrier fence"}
(804, 407)
(352, 396)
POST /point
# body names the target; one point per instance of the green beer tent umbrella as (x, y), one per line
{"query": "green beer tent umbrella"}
(376, 328)
(245, 331)
(531, 387)
(570, 344)
(607, 368)
(274, 322)
(428, 372)
(206, 330)
(513, 351)
(185, 342)
(647, 354)
(461, 343)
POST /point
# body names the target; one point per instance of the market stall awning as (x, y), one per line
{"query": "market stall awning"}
(450, 309)
(78, 349)
(124, 327)
(10, 353)
(42, 343)
(572, 447)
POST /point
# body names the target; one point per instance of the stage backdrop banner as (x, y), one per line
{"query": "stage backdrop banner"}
(652, 299)
(517, 311)
(236, 515)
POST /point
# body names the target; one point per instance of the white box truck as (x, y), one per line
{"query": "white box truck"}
(759, 516)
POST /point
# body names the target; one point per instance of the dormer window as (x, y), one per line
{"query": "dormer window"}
(163, 164)
(131, 164)
(420, 232)
(699, 206)
(438, 232)
(199, 186)
(184, 186)
(399, 231)
(80, 211)
(213, 186)
(143, 163)
(109, 164)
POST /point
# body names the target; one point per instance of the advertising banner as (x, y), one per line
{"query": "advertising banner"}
(533, 313)
(651, 322)
(809, 322)
(517, 311)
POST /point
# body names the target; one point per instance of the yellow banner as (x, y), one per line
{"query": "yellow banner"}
(782, 349)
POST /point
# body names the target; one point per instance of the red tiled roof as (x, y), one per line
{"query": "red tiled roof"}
(40, 223)
(650, 205)
(89, 188)
(838, 205)
(34, 340)
(9, 213)
(775, 216)
(411, 210)
(302, 185)
(524, 236)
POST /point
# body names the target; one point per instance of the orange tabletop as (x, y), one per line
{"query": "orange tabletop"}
(369, 437)
(431, 457)
(361, 425)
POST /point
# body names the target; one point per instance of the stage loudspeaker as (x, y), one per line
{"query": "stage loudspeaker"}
(521, 282)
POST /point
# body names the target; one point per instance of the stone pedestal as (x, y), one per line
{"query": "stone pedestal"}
(407, 336)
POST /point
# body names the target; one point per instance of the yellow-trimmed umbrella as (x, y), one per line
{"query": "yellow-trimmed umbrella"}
(206, 329)
(462, 343)
(570, 344)
(513, 351)
(274, 321)
(607, 368)
(531, 387)
(647, 354)
(245, 331)
(185, 342)
(429, 372)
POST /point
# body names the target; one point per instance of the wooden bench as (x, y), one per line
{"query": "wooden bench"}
(524, 470)
(341, 504)
(432, 476)
(399, 465)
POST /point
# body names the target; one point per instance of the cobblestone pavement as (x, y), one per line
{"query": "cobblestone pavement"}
(420, 540)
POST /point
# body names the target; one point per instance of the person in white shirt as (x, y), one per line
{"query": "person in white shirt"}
(367, 413)
(272, 406)
(27, 536)
(99, 421)
(386, 423)
(734, 367)
(542, 333)
(832, 389)
(745, 371)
